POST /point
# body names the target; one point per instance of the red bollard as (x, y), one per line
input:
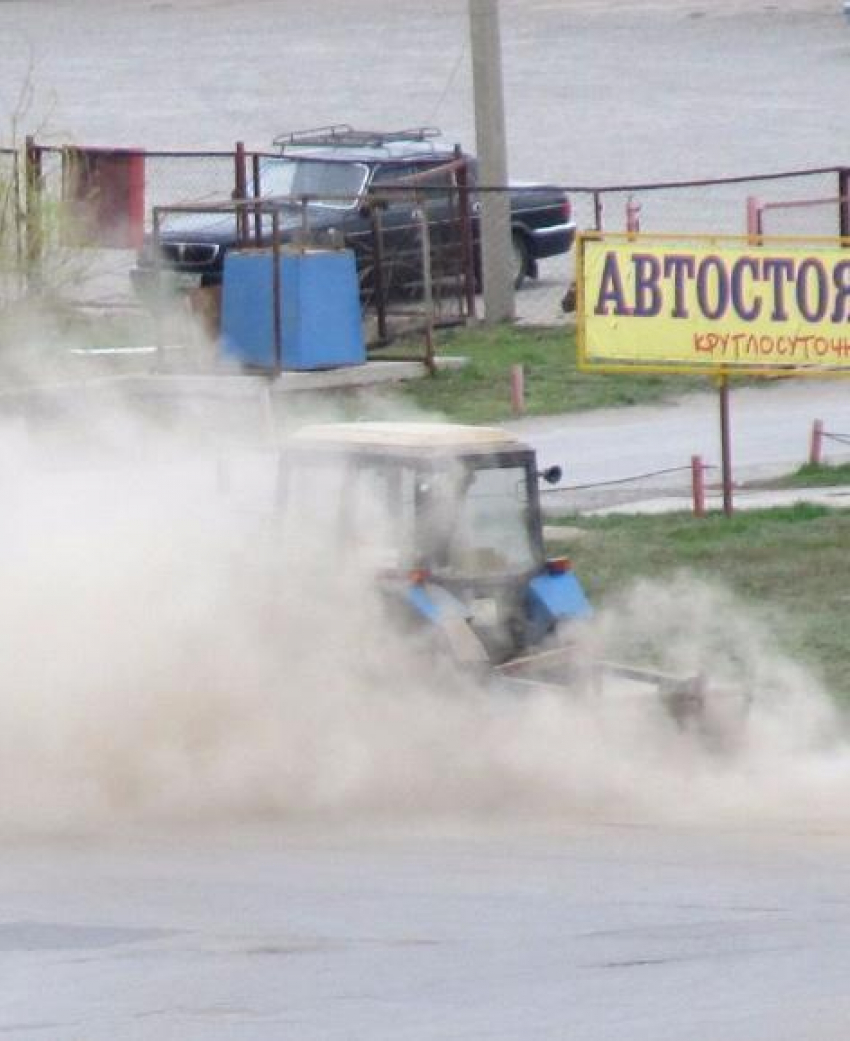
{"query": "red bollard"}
(632, 216)
(517, 390)
(698, 485)
(754, 217)
(816, 444)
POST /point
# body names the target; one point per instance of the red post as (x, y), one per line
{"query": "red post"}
(632, 216)
(597, 211)
(698, 485)
(754, 217)
(136, 200)
(816, 444)
(517, 390)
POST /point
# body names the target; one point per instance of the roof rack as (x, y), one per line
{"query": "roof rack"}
(342, 135)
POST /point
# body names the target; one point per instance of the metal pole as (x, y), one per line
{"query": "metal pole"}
(597, 211)
(378, 287)
(305, 223)
(20, 224)
(726, 445)
(466, 238)
(276, 295)
(258, 220)
(158, 287)
(632, 215)
(240, 192)
(754, 219)
(427, 287)
(698, 485)
(33, 187)
(496, 266)
(844, 202)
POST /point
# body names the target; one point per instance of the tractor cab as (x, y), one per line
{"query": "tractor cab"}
(449, 518)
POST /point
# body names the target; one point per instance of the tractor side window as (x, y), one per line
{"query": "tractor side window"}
(310, 490)
(381, 515)
(492, 526)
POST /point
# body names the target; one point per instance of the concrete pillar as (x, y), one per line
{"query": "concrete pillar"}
(496, 258)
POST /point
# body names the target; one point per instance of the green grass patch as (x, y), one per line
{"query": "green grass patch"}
(810, 476)
(480, 391)
(792, 559)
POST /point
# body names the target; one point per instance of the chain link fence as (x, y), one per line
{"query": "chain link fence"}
(705, 207)
(416, 241)
(94, 211)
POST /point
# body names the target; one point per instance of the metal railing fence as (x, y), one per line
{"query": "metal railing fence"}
(88, 272)
(413, 248)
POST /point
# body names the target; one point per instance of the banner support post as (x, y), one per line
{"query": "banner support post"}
(726, 444)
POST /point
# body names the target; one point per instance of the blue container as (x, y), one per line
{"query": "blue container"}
(320, 322)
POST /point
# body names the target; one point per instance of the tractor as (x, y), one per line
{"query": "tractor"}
(449, 517)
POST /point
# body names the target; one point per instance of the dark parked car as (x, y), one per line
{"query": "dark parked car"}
(330, 180)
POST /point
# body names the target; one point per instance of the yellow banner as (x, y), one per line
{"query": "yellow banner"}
(713, 304)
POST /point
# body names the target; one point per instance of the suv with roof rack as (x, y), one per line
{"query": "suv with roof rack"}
(327, 185)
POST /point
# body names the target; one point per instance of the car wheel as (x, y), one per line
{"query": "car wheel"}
(520, 260)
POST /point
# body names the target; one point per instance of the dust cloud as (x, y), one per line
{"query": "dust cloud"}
(173, 652)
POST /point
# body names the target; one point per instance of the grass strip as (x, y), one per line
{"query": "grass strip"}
(792, 560)
(480, 392)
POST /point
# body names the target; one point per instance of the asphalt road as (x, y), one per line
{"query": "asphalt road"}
(770, 428)
(589, 932)
(595, 92)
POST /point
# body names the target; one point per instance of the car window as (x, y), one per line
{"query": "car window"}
(331, 183)
(438, 174)
(390, 173)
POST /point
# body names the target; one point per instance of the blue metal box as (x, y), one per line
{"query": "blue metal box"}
(320, 322)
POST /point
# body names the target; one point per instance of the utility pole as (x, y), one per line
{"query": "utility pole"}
(496, 250)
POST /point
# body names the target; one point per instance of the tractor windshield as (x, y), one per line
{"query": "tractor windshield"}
(460, 518)
(476, 522)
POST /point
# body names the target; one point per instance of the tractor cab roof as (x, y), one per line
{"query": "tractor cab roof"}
(419, 438)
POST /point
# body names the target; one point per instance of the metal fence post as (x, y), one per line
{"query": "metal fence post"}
(427, 285)
(240, 192)
(632, 215)
(277, 302)
(726, 446)
(467, 240)
(597, 210)
(698, 485)
(257, 185)
(844, 202)
(158, 287)
(378, 287)
(12, 212)
(754, 218)
(33, 187)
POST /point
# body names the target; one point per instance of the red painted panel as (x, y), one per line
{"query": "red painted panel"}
(104, 189)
